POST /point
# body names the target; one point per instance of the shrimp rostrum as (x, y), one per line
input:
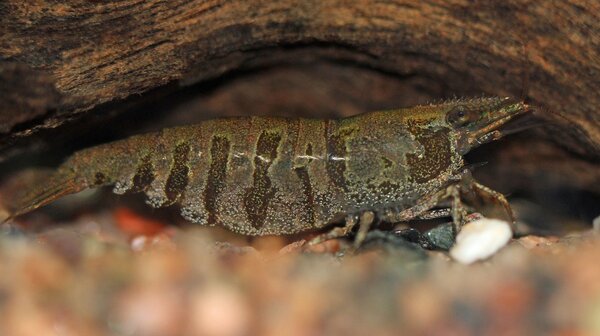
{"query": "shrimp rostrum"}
(276, 176)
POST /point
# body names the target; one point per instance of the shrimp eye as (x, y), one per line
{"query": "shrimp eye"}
(460, 116)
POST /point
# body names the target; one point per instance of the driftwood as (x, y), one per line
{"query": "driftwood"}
(60, 61)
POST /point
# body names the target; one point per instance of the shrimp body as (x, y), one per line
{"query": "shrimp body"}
(266, 175)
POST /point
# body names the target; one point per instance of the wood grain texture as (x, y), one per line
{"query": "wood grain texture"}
(92, 53)
(27, 94)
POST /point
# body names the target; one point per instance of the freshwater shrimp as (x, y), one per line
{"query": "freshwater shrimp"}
(277, 176)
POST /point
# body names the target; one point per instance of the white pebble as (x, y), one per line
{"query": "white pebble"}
(596, 223)
(138, 243)
(480, 239)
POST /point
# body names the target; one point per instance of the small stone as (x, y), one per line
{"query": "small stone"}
(328, 246)
(225, 249)
(414, 236)
(392, 244)
(480, 239)
(531, 241)
(138, 243)
(149, 310)
(441, 236)
(596, 223)
(410, 234)
(11, 230)
(219, 310)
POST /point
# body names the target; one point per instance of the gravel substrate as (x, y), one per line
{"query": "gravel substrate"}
(87, 280)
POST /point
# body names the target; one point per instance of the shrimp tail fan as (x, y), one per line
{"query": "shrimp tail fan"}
(33, 189)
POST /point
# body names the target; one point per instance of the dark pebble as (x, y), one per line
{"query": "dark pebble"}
(441, 237)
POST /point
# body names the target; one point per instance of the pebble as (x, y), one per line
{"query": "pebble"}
(531, 241)
(441, 236)
(11, 230)
(480, 239)
(414, 236)
(392, 244)
(596, 223)
(220, 310)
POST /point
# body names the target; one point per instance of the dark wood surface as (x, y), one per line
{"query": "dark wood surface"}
(60, 61)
